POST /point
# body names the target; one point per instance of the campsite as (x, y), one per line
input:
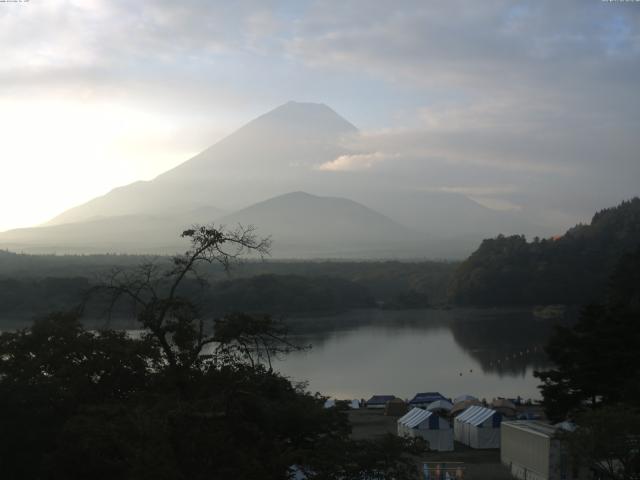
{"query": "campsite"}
(464, 441)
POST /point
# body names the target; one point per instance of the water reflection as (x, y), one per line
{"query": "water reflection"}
(503, 342)
(484, 352)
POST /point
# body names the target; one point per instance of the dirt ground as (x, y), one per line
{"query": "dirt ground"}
(478, 464)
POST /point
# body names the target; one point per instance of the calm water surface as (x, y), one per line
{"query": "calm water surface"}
(486, 353)
(483, 352)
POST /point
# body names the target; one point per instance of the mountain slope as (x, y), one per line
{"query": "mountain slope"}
(278, 152)
(118, 234)
(264, 158)
(301, 226)
(300, 222)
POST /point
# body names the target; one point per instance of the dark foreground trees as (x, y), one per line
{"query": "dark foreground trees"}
(596, 379)
(597, 361)
(182, 401)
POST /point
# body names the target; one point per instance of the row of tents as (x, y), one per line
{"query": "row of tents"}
(436, 402)
(477, 427)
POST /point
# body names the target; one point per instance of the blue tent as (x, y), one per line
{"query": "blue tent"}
(425, 398)
(379, 401)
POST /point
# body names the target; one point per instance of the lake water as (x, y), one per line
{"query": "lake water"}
(486, 353)
(483, 352)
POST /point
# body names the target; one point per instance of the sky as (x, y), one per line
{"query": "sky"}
(511, 103)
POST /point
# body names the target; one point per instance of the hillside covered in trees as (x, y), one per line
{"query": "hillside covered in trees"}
(32, 285)
(571, 269)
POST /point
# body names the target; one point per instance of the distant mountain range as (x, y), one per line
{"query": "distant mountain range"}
(248, 178)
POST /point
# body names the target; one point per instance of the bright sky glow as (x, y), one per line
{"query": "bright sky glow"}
(540, 97)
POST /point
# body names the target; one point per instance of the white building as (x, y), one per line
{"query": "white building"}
(532, 451)
(428, 425)
(478, 427)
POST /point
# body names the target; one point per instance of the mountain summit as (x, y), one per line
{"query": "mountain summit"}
(356, 213)
(306, 120)
(292, 136)
(266, 157)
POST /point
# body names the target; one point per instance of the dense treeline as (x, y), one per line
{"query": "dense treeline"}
(571, 269)
(31, 285)
(384, 279)
(276, 294)
(288, 294)
(38, 296)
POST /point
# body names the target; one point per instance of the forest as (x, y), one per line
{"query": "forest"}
(32, 285)
(571, 269)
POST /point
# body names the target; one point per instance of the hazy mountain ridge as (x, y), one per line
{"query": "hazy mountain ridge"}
(245, 172)
(300, 225)
(255, 162)
(301, 222)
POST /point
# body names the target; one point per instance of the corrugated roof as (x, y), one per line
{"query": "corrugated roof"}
(427, 397)
(534, 426)
(377, 399)
(468, 412)
(415, 417)
(475, 415)
(440, 405)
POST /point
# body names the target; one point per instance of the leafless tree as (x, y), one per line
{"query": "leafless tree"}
(154, 293)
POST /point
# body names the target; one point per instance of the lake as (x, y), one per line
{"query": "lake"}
(483, 352)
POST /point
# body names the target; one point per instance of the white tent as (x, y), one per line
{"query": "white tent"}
(440, 405)
(463, 398)
(428, 425)
(478, 427)
(331, 403)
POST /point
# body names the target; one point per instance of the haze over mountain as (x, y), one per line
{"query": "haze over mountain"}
(306, 225)
(271, 155)
(293, 148)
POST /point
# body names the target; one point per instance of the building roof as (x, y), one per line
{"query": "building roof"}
(458, 406)
(417, 417)
(426, 397)
(380, 399)
(476, 415)
(503, 403)
(533, 426)
(440, 405)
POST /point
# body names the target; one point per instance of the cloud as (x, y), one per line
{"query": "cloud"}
(355, 162)
(538, 94)
(538, 87)
(481, 191)
(495, 150)
(496, 203)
